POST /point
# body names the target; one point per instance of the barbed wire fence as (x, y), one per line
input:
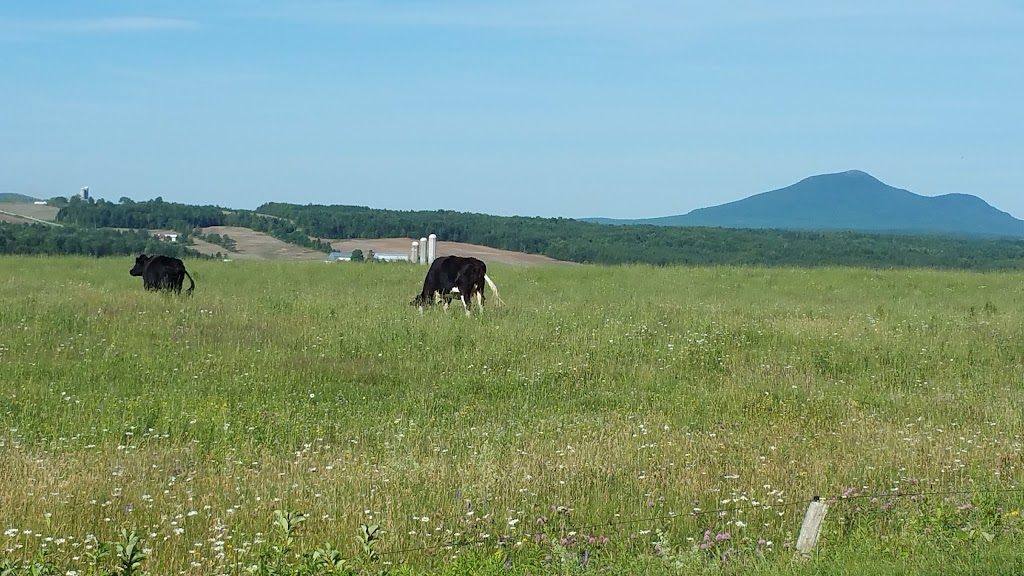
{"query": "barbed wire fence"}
(810, 529)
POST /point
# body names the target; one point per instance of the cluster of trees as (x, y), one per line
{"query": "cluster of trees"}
(183, 218)
(359, 256)
(68, 240)
(222, 240)
(150, 214)
(577, 241)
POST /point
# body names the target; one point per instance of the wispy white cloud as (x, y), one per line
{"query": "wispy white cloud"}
(30, 27)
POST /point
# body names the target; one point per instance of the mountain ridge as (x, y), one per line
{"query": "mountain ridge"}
(852, 201)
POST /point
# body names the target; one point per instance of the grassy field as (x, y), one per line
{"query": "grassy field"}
(630, 420)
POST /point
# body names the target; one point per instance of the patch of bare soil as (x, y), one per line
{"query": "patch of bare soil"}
(253, 245)
(485, 253)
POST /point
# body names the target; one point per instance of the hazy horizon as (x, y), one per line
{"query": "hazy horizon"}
(603, 108)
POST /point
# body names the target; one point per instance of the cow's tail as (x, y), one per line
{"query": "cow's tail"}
(191, 282)
(493, 288)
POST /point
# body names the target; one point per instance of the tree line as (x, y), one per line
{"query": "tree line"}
(185, 219)
(75, 240)
(576, 241)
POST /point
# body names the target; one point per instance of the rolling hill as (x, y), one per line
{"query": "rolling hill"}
(14, 197)
(850, 201)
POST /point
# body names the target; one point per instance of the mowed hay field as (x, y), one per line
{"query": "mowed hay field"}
(38, 211)
(634, 420)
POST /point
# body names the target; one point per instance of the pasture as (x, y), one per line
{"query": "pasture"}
(629, 419)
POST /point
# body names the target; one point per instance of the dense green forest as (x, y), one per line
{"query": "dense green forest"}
(183, 218)
(577, 241)
(44, 239)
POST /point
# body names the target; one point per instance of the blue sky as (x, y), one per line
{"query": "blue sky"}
(622, 108)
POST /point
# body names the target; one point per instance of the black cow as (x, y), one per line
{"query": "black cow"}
(162, 272)
(464, 276)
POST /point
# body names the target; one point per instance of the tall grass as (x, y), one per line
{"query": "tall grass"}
(595, 396)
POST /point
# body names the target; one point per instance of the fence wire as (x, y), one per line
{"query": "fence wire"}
(698, 513)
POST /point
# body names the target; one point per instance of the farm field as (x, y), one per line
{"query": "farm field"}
(635, 420)
(31, 211)
(254, 245)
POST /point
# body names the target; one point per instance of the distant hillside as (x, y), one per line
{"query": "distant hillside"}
(850, 201)
(314, 227)
(13, 197)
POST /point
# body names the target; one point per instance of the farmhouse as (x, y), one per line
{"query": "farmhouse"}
(167, 236)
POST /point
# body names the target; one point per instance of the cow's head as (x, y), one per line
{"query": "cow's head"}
(140, 265)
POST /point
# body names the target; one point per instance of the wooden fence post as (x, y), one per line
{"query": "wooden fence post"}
(812, 525)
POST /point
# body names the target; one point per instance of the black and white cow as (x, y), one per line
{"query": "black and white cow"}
(162, 272)
(460, 275)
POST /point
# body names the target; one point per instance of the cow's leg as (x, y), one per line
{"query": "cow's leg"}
(465, 293)
(480, 299)
(446, 298)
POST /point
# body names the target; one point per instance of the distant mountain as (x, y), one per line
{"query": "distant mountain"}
(853, 201)
(12, 197)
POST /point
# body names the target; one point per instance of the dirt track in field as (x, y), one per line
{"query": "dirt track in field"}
(15, 219)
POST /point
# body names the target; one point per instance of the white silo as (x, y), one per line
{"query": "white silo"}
(414, 252)
(423, 250)
(431, 248)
